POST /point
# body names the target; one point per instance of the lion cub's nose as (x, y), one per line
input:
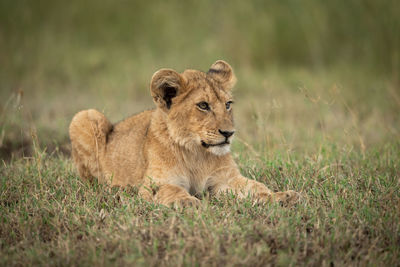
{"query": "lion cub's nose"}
(227, 134)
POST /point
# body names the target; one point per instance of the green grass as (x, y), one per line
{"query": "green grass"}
(317, 109)
(349, 215)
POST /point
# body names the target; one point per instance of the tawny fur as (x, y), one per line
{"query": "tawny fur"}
(175, 151)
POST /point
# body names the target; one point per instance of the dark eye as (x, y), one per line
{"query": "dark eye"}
(203, 105)
(228, 104)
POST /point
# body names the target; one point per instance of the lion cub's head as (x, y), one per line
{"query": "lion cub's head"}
(197, 106)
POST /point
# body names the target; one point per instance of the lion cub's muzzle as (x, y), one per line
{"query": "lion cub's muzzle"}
(226, 134)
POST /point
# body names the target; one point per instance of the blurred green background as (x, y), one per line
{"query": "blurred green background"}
(310, 72)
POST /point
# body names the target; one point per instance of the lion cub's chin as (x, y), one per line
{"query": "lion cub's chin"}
(220, 150)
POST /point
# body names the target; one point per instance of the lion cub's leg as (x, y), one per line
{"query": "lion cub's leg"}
(88, 133)
(169, 195)
(243, 187)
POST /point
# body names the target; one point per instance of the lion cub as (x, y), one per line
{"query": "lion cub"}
(175, 151)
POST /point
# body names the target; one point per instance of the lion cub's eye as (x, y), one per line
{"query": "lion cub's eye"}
(228, 104)
(203, 105)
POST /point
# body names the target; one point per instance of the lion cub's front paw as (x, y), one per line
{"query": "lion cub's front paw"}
(188, 202)
(287, 198)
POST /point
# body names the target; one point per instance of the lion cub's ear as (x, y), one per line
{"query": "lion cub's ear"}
(165, 85)
(222, 73)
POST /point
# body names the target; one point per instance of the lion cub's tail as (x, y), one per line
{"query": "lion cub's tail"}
(88, 133)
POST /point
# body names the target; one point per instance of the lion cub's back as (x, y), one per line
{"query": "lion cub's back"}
(125, 157)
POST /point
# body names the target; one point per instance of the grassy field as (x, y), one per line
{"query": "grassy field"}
(317, 109)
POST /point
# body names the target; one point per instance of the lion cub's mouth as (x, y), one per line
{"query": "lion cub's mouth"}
(204, 144)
